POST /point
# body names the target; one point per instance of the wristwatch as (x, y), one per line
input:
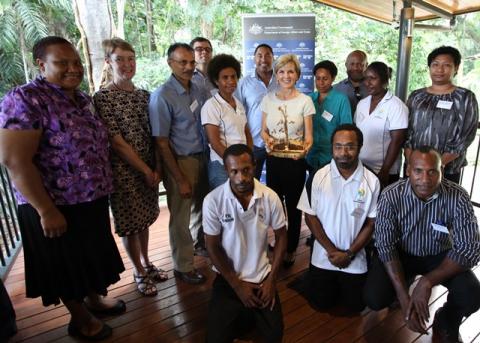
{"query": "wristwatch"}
(350, 254)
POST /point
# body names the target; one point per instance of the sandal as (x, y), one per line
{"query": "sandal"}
(145, 285)
(156, 274)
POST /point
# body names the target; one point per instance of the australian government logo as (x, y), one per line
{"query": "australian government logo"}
(255, 29)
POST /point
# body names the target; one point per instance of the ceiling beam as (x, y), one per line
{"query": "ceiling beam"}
(432, 9)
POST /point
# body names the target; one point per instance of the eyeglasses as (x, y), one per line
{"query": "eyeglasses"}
(348, 147)
(200, 49)
(184, 63)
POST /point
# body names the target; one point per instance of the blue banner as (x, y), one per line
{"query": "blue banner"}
(286, 34)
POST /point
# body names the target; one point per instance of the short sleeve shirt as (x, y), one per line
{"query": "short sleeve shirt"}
(231, 122)
(292, 110)
(244, 233)
(341, 206)
(332, 112)
(73, 152)
(175, 114)
(390, 114)
(202, 81)
(250, 91)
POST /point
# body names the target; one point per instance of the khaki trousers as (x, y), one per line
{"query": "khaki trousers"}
(185, 213)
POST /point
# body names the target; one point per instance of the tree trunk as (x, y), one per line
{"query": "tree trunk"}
(120, 17)
(207, 27)
(150, 31)
(93, 31)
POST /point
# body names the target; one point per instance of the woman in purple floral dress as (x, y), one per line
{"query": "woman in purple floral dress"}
(55, 148)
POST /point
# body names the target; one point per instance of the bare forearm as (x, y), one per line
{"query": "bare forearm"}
(279, 251)
(28, 181)
(447, 269)
(168, 159)
(395, 272)
(319, 233)
(393, 150)
(448, 157)
(126, 153)
(363, 237)
(220, 260)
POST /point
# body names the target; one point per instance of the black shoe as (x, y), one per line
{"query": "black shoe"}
(119, 308)
(193, 277)
(442, 329)
(105, 332)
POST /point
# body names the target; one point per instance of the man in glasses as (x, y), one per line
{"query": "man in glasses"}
(202, 48)
(353, 86)
(181, 144)
(340, 204)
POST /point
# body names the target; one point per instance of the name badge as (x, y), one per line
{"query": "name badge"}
(446, 105)
(194, 106)
(327, 116)
(357, 212)
(440, 228)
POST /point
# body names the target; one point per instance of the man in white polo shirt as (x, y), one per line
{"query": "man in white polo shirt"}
(236, 218)
(340, 205)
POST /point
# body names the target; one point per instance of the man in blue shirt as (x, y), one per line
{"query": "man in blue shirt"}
(203, 50)
(251, 90)
(181, 144)
(353, 86)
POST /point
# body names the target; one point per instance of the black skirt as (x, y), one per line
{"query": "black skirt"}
(84, 259)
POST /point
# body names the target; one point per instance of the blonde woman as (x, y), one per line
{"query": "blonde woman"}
(134, 202)
(287, 111)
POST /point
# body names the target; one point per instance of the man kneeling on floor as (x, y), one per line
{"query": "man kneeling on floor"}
(340, 205)
(236, 217)
(426, 226)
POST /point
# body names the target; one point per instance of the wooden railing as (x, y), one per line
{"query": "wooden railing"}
(10, 241)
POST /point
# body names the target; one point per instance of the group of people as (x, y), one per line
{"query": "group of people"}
(208, 133)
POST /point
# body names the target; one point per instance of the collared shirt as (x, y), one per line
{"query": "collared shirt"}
(346, 87)
(390, 114)
(446, 222)
(250, 92)
(295, 110)
(447, 122)
(203, 81)
(332, 112)
(175, 113)
(72, 155)
(231, 122)
(341, 206)
(244, 232)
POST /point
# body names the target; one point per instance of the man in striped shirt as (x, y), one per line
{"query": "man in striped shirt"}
(426, 226)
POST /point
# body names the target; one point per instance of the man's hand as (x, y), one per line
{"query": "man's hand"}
(414, 323)
(339, 259)
(419, 300)
(246, 291)
(53, 223)
(266, 293)
(185, 189)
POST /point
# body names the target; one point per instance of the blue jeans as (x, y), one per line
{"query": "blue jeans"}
(217, 174)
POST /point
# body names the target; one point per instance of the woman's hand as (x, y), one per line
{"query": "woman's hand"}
(152, 178)
(53, 223)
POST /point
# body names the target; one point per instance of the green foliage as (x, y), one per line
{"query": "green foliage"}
(338, 32)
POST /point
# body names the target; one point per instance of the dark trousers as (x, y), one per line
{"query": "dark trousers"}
(287, 178)
(8, 326)
(227, 316)
(329, 288)
(260, 154)
(463, 289)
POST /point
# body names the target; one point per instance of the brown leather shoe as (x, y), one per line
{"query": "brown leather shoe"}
(193, 277)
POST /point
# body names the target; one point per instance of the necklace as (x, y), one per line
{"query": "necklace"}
(123, 89)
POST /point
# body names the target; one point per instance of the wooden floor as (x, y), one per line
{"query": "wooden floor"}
(178, 312)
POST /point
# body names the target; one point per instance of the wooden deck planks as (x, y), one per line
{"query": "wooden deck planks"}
(178, 312)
